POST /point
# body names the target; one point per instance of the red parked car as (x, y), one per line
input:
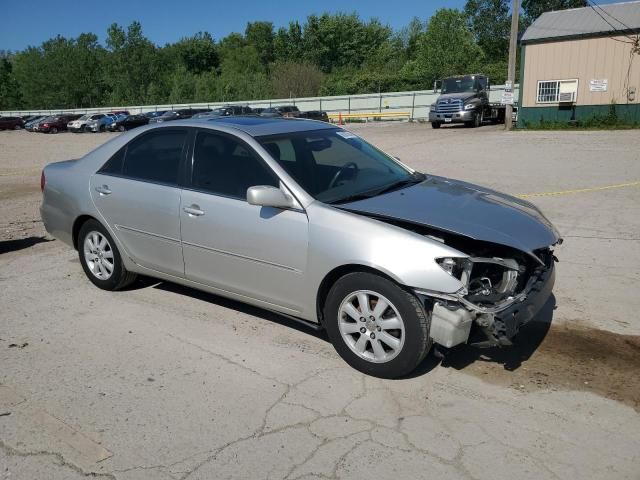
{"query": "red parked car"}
(56, 123)
(11, 123)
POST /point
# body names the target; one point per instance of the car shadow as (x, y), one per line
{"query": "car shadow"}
(524, 345)
(145, 282)
(7, 246)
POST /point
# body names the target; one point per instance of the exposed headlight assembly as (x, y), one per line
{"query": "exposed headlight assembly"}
(454, 266)
(470, 106)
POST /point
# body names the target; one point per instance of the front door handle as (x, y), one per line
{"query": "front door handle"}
(194, 210)
(103, 190)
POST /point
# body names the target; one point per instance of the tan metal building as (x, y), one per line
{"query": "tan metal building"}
(576, 63)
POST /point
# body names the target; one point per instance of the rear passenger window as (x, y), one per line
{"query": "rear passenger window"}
(225, 166)
(155, 157)
(114, 164)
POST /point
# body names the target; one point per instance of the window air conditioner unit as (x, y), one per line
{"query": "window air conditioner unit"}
(568, 91)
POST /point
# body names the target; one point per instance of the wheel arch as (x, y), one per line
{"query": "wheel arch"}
(77, 225)
(337, 273)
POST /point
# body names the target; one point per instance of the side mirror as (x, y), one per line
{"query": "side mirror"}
(266, 196)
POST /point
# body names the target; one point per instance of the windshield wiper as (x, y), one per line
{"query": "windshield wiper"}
(415, 177)
(351, 198)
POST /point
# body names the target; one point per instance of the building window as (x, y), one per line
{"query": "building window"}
(557, 91)
(548, 91)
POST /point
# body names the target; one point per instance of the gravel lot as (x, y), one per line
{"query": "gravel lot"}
(164, 382)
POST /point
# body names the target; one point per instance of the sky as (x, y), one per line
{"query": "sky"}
(30, 22)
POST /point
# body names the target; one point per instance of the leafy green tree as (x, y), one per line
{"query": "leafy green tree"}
(10, 97)
(327, 54)
(260, 36)
(490, 22)
(198, 53)
(341, 40)
(534, 8)
(290, 79)
(132, 65)
(243, 76)
(447, 47)
(287, 43)
(409, 37)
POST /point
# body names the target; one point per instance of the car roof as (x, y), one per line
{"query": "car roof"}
(260, 126)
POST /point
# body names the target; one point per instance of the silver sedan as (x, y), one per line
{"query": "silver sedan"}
(311, 221)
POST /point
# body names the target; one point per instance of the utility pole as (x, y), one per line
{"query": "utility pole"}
(513, 47)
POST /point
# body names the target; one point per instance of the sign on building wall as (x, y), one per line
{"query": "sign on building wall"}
(599, 85)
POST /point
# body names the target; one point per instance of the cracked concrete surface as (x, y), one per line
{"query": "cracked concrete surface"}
(163, 382)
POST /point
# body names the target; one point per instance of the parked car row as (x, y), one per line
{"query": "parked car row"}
(122, 120)
(11, 123)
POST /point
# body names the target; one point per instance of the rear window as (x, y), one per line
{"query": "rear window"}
(153, 157)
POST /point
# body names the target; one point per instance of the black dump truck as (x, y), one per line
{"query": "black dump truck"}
(465, 99)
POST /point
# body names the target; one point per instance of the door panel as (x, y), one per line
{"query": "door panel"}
(145, 218)
(260, 252)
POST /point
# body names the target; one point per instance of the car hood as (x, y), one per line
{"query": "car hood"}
(464, 209)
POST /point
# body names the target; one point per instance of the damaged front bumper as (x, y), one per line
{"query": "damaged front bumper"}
(453, 316)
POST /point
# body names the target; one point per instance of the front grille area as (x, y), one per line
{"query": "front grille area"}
(450, 106)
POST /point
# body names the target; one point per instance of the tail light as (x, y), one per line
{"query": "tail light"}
(42, 181)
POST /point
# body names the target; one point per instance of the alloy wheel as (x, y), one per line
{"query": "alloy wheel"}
(371, 326)
(98, 255)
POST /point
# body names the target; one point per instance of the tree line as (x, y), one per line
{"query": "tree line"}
(328, 54)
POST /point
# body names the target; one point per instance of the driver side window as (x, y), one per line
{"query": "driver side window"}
(225, 166)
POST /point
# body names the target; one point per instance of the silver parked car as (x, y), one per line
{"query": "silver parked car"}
(311, 221)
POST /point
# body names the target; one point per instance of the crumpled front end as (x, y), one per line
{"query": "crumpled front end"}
(500, 294)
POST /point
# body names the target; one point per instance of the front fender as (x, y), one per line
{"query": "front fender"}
(338, 238)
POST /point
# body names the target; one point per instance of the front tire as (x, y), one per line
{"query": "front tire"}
(54, 130)
(435, 124)
(100, 258)
(376, 326)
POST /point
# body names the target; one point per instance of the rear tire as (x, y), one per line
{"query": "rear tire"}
(387, 344)
(54, 130)
(435, 124)
(100, 258)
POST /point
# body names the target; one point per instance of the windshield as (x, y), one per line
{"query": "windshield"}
(170, 114)
(334, 165)
(85, 117)
(458, 85)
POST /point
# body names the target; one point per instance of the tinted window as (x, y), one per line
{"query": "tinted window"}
(225, 166)
(154, 157)
(114, 165)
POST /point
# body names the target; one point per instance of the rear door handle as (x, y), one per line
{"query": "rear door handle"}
(194, 210)
(103, 190)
